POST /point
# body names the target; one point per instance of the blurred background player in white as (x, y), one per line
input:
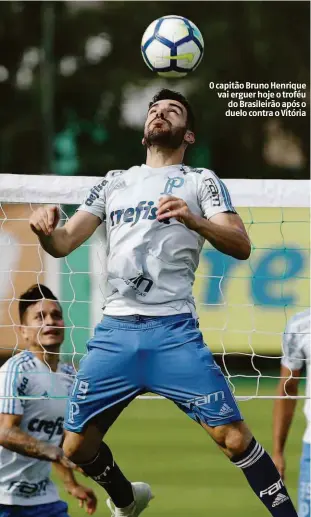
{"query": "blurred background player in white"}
(157, 216)
(31, 431)
(296, 349)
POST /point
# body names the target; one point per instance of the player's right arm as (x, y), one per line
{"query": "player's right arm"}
(15, 381)
(60, 242)
(13, 438)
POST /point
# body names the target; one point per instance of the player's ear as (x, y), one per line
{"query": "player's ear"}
(22, 331)
(143, 141)
(189, 137)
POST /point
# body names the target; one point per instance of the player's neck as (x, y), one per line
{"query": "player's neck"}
(159, 157)
(48, 357)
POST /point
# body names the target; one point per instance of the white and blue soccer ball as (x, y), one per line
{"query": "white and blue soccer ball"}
(172, 46)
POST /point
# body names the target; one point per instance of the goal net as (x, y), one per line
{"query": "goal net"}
(243, 306)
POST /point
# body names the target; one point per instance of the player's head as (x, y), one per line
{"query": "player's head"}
(41, 317)
(170, 121)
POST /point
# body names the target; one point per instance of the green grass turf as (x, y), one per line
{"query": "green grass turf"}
(154, 441)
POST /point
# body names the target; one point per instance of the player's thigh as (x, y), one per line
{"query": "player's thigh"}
(107, 377)
(80, 447)
(184, 371)
(304, 495)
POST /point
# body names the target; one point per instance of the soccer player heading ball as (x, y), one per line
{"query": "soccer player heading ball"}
(158, 216)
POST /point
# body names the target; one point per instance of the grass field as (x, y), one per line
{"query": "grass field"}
(153, 441)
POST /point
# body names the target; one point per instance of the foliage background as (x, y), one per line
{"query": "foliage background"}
(244, 41)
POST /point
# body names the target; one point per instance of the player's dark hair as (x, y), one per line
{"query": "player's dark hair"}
(171, 95)
(34, 294)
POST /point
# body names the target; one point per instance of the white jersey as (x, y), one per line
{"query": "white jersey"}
(23, 480)
(296, 347)
(151, 264)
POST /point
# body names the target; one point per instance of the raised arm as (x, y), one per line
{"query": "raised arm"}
(60, 242)
(224, 230)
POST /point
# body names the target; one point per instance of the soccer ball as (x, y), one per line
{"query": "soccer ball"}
(172, 46)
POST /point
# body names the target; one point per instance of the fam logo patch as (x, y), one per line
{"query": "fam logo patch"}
(212, 187)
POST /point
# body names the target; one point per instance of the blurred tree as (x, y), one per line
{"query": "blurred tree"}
(97, 56)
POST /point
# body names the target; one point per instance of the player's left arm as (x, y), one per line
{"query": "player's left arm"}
(292, 363)
(224, 230)
(283, 414)
(84, 494)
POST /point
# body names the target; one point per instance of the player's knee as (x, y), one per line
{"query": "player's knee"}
(236, 442)
(232, 438)
(237, 439)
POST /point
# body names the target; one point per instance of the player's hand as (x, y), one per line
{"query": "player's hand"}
(86, 497)
(279, 462)
(44, 219)
(171, 206)
(56, 454)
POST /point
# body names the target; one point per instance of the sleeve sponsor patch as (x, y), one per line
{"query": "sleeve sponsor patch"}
(95, 192)
(213, 189)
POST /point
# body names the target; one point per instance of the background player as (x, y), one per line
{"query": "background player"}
(296, 349)
(31, 431)
(149, 339)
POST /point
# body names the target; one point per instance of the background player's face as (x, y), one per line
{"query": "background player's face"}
(166, 124)
(43, 324)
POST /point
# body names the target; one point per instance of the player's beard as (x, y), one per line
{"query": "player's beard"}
(168, 137)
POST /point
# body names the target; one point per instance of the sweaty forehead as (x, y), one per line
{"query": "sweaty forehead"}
(166, 103)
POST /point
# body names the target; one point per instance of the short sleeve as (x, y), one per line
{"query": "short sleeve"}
(95, 201)
(69, 375)
(14, 383)
(213, 195)
(293, 358)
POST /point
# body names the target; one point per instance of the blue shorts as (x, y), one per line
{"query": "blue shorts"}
(304, 483)
(57, 509)
(166, 355)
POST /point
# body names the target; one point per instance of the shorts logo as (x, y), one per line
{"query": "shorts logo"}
(225, 410)
(171, 183)
(73, 411)
(211, 398)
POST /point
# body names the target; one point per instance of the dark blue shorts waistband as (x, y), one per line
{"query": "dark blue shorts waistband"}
(139, 321)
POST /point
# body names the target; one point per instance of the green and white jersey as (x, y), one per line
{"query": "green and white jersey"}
(151, 264)
(296, 348)
(26, 481)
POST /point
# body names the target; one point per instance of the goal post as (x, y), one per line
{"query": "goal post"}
(243, 306)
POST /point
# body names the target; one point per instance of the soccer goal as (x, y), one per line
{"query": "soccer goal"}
(243, 306)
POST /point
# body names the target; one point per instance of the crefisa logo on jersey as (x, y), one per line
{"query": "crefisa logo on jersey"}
(94, 193)
(144, 210)
(49, 427)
